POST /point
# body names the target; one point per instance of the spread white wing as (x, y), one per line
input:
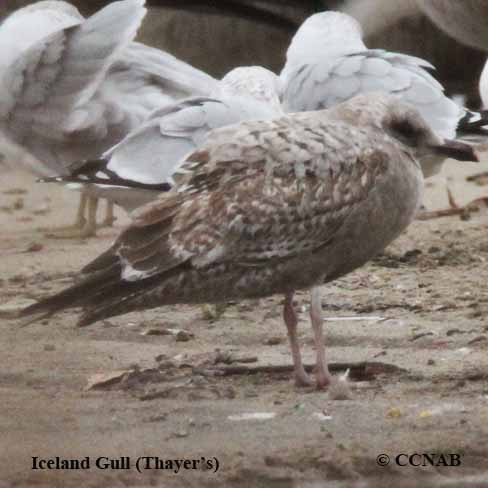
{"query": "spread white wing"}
(84, 86)
(49, 81)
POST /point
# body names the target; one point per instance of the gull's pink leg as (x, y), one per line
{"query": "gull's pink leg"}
(322, 373)
(291, 321)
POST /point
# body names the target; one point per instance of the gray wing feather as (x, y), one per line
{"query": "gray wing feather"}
(179, 79)
(151, 153)
(53, 87)
(65, 70)
(326, 84)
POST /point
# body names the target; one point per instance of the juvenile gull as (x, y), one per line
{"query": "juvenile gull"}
(268, 207)
(137, 169)
(74, 87)
(327, 63)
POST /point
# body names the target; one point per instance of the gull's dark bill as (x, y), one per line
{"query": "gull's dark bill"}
(458, 150)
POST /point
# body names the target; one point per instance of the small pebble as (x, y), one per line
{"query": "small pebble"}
(181, 434)
(183, 336)
(273, 341)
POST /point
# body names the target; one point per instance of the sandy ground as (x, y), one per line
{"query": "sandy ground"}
(422, 309)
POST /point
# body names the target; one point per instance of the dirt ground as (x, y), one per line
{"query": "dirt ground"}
(419, 310)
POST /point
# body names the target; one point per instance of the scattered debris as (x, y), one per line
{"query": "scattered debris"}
(420, 335)
(179, 334)
(104, 380)
(24, 218)
(388, 260)
(393, 413)
(450, 198)
(224, 357)
(43, 209)
(321, 416)
(11, 309)
(213, 312)
(362, 371)
(481, 179)
(181, 434)
(34, 247)
(464, 212)
(274, 341)
(157, 418)
(15, 191)
(452, 332)
(184, 336)
(476, 340)
(339, 389)
(252, 416)
(354, 319)
(18, 204)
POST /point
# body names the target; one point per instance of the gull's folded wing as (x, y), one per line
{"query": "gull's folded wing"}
(326, 83)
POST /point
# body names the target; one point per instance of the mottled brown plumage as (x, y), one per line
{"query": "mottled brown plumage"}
(264, 208)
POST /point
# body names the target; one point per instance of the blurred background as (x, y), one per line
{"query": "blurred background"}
(219, 35)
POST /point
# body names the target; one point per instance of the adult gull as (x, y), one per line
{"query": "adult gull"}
(138, 168)
(74, 87)
(327, 62)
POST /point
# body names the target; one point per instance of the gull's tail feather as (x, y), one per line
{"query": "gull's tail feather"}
(101, 295)
(474, 123)
(81, 294)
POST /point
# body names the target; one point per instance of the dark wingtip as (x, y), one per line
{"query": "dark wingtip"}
(458, 150)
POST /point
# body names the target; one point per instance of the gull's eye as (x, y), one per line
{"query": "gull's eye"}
(404, 129)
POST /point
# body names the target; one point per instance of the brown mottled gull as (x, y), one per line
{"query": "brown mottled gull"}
(269, 207)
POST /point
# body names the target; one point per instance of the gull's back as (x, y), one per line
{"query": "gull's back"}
(338, 66)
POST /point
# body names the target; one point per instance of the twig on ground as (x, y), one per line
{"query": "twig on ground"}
(464, 212)
(361, 371)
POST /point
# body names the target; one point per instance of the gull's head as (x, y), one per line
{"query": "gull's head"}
(405, 124)
(326, 33)
(402, 124)
(253, 81)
